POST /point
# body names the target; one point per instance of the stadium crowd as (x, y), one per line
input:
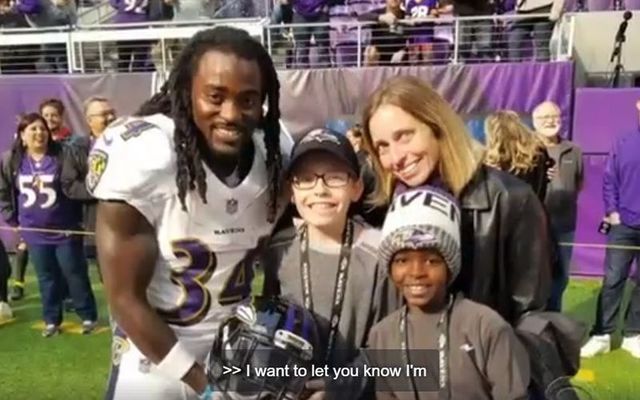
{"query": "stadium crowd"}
(394, 31)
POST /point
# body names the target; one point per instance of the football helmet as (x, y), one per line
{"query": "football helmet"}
(270, 332)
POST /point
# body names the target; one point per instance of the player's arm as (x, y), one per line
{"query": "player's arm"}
(128, 251)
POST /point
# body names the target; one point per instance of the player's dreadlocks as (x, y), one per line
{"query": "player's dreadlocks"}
(174, 100)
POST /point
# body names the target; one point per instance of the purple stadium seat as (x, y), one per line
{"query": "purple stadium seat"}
(632, 4)
(599, 5)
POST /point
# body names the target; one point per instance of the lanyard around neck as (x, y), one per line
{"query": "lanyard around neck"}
(341, 280)
(443, 350)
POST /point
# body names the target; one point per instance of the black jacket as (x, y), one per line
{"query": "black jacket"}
(82, 147)
(506, 250)
(71, 174)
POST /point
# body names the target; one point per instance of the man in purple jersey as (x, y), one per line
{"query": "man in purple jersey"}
(421, 33)
(315, 12)
(38, 177)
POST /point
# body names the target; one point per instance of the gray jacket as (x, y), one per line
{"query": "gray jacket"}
(486, 360)
(562, 193)
(366, 298)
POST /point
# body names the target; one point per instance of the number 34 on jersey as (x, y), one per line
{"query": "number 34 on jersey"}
(194, 282)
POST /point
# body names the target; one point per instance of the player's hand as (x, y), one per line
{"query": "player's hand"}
(552, 173)
(434, 12)
(614, 218)
(196, 378)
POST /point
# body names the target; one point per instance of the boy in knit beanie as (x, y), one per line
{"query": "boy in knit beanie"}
(480, 356)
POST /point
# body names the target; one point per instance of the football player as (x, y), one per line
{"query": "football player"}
(187, 188)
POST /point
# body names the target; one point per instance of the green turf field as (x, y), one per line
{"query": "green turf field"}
(76, 366)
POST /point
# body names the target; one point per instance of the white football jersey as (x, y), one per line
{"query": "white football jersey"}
(201, 273)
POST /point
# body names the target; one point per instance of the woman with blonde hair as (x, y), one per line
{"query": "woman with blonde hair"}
(512, 147)
(416, 138)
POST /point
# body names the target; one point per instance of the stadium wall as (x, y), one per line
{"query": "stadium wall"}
(600, 116)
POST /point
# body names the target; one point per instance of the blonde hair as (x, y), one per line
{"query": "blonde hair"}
(511, 145)
(460, 155)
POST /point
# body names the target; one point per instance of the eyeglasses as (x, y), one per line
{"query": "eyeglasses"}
(548, 117)
(332, 180)
(104, 114)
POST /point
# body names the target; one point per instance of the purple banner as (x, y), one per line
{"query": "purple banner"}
(600, 115)
(590, 261)
(311, 97)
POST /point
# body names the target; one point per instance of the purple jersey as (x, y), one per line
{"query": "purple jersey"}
(310, 8)
(41, 203)
(421, 33)
(130, 11)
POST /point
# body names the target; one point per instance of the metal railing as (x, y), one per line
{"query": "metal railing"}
(340, 43)
(444, 40)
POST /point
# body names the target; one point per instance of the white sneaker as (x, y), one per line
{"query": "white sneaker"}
(631, 344)
(597, 344)
(5, 312)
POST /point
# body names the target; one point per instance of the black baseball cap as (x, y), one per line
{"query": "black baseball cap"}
(328, 141)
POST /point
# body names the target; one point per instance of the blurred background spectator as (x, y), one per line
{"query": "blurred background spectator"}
(49, 13)
(566, 178)
(38, 182)
(620, 192)
(475, 35)
(388, 37)
(421, 36)
(18, 59)
(538, 29)
(99, 113)
(52, 110)
(311, 12)
(512, 147)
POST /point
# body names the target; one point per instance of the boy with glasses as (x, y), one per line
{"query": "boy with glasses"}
(329, 263)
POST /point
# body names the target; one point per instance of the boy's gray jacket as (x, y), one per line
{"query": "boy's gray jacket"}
(366, 294)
